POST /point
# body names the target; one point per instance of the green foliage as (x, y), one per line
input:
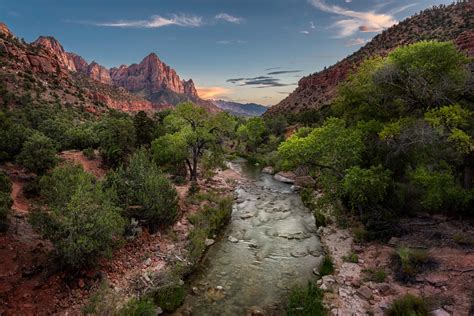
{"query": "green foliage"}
(38, 153)
(408, 305)
(332, 146)
(5, 183)
(251, 133)
(377, 275)
(103, 301)
(411, 261)
(144, 191)
(351, 257)
(144, 128)
(6, 203)
(138, 307)
(366, 186)
(319, 218)
(307, 301)
(82, 222)
(327, 266)
(169, 296)
(117, 139)
(208, 221)
(440, 190)
(89, 153)
(59, 185)
(12, 137)
(194, 131)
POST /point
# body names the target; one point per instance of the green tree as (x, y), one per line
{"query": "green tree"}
(144, 128)
(12, 136)
(6, 201)
(195, 128)
(38, 153)
(144, 192)
(86, 228)
(251, 133)
(117, 138)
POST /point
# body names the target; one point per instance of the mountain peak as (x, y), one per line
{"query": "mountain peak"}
(4, 30)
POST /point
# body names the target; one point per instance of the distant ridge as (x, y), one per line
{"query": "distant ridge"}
(239, 109)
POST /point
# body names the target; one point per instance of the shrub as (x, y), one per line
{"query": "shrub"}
(89, 153)
(319, 219)
(351, 257)
(117, 139)
(103, 301)
(6, 201)
(327, 266)
(169, 296)
(142, 184)
(408, 305)
(306, 301)
(366, 186)
(84, 229)
(375, 275)
(411, 261)
(138, 307)
(38, 153)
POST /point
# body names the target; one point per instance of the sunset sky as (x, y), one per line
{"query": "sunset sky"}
(240, 50)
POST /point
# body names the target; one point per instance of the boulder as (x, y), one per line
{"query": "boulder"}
(440, 312)
(268, 170)
(365, 292)
(305, 182)
(232, 239)
(209, 242)
(285, 176)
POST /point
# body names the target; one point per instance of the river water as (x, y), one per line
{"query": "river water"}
(269, 246)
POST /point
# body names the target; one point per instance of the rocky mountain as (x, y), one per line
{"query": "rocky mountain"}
(453, 22)
(43, 69)
(150, 79)
(239, 109)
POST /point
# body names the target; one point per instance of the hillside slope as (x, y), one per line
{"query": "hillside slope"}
(445, 23)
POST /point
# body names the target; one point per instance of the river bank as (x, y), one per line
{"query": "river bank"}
(367, 278)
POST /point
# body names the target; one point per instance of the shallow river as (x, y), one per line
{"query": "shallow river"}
(269, 246)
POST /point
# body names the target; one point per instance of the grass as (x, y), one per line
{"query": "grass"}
(377, 275)
(138, 307)
(351, 257)
(327, 266)
(463, 239)
(306, 301)
(411, 262)
(408, 305)
(319, 218)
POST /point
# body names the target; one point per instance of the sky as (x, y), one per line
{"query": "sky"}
(239, 50)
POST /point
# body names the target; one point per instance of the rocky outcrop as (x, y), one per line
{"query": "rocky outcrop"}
(98, 73)
(56, 49)
(317, 90)
(4, 30)
(151, 76)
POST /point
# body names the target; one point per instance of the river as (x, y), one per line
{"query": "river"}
(269, 246)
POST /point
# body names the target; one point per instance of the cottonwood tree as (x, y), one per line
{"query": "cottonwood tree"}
(193, 131)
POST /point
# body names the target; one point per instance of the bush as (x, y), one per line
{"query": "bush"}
(327, 266)
(306, 301)
(319, 219)
(138, 307)
(83, 229)
(89, 153)
(411, 262)
(38, 153)
(366, 186)
(6, 201)
(142, 184)
(351, 257)
(408, 305)
(103, 301)
(117, 139)
(169, 296)
(375, 275)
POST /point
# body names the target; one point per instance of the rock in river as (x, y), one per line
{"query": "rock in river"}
(286, 177)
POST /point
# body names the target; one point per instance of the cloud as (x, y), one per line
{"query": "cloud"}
(356, 42)
(311, 25)
(283, 72)
(227, 42)
(157, 21)
(212, 92)
(304, 32)
(258, 82)
(229, 18)
(272, 68)
(363, 21)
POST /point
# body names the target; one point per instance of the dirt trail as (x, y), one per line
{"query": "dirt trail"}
(93, 166)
